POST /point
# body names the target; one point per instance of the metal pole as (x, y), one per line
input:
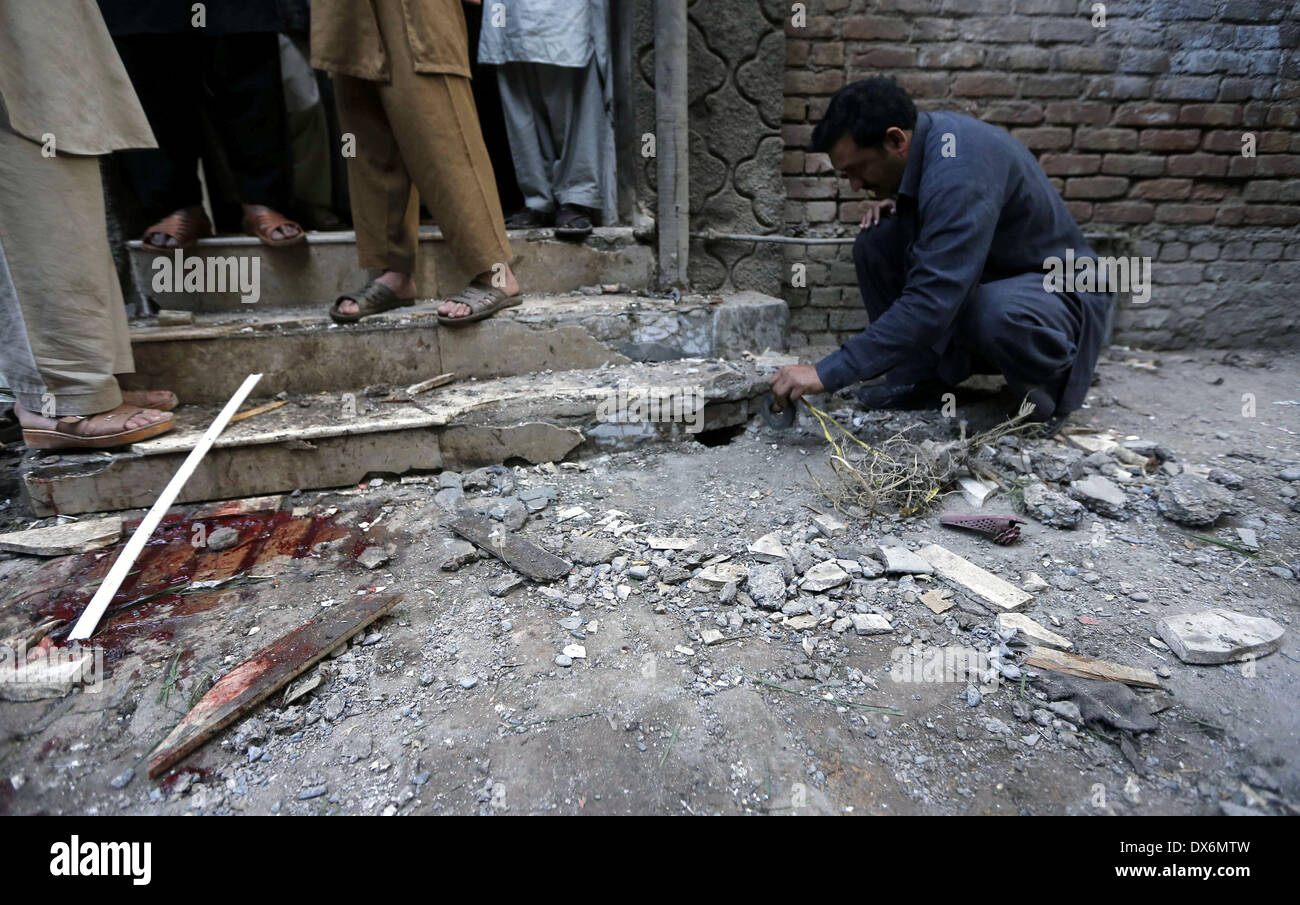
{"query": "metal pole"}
(672, 138)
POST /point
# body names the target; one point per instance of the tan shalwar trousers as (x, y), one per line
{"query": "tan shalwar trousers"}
(54, 238)
(418, 136)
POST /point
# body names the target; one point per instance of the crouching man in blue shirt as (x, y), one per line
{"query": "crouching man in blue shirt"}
(954, 282)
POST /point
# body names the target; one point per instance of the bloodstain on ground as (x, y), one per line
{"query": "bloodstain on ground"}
(150, 603)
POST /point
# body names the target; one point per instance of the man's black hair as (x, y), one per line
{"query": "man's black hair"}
(865, 110)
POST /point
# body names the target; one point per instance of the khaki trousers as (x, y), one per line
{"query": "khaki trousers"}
(69, 304)
(418, 136)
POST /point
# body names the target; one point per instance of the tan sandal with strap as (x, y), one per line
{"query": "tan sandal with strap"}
(482, 301)
(75, 431)
(161, 401)
(186, 228)
(264, 222)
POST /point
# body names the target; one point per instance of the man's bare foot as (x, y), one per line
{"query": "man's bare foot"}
(403, 284)
(286, 230)
(161, 400)
(459, 309)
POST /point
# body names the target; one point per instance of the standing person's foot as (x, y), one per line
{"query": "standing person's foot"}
(482, 298)
(158, 400)
(391, 289)
(117, 427)
(271, 227)
(573, 222)
(179, 229)
(905, 396)
(528, 218)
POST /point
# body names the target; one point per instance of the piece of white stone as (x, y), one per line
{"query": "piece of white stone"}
(1219, 636)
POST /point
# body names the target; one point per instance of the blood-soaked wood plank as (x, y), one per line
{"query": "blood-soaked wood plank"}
(261, 675)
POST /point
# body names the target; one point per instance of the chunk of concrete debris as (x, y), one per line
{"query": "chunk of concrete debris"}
(1101, 495)
(672, 543)
(823, 577)
(1219, 636)
(938, 600)
(454, 553)
(716, 576)
(374, 557)
(1032, 583)
(505, 584)
(575, 651)
(517, 552)
(1056, 510)
(830, 526)
(52, 675)
(510, 512)
(870, 624)
(1004, 596)
(538, 498)
(1193, 501)
(767, 586)
(1032, 630)
(902, 561)
(769, 548)
(591, 551)
(223, 538)
(976, 490)
(60, 540)
(711, 636)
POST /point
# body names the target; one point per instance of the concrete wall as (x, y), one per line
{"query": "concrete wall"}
(1139, 124)
(736, 64)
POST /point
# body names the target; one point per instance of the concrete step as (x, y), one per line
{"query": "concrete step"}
(302, 351)
(333, 439)
(316, 272)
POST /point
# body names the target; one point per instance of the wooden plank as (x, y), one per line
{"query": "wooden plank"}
(266, 672)
(519, 553)
(257, 410)
(1005, 597)
(1032, 630)
(86, 625)
(1090, 667)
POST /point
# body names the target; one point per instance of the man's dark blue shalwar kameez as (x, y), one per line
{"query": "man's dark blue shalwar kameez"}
(953, 283)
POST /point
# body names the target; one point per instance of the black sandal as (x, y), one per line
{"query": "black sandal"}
(374, 298)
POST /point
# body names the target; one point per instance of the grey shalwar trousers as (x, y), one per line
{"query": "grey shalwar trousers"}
(560, 136)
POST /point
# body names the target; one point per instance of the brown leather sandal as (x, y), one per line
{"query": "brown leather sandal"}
(483, 302)
(373, 298)
(73, 431)
(187, 229)
(263, 223)
(140, 399)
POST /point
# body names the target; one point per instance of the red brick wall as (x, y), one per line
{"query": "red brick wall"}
(1139, 124)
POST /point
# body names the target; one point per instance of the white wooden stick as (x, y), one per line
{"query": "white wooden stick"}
(89, 620)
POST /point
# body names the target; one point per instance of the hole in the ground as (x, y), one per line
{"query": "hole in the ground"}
(720, 436)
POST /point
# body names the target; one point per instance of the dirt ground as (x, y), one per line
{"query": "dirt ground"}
(454, 702)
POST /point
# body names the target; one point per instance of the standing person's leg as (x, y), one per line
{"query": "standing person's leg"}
(167, 74)
(586, 156)
(436, 126)
(385, 207)
(72, 314)
(246, 102)
(531, 145)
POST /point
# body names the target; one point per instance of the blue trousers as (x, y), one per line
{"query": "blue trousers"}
(1010, 326)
